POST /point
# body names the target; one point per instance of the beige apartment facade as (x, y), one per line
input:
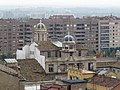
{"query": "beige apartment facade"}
(109, 34)
(88, 31)
(14, 34)
(84, 30)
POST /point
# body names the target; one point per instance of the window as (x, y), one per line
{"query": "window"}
(69, 87)
(60, 54)
(51, 25)
(104, 27)
(71, 65)
(51, 67)
(38, 37)
(66, 47)
(50, 28)
(74, 25)
(32, 52)
(90, 66)
(79, 65)
(21, 25)
(49, 54)
(63, 67)
(80, 24)
(104, 31)
(79, 53)
(57, 25)
(20, 44)
(56, 54)
(118, 71)
(71, 47)
(113, 70)
(67, 25)
(42, 37)
(71, 53)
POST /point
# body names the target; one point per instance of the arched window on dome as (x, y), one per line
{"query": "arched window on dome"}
(42, 27)
(70, 39)
(66, 39)
(38, 26)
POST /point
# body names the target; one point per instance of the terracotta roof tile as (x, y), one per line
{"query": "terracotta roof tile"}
(108, 64)
(104, 81)
(47, 45)
(104, 64)
(116, 65)
(31, 70)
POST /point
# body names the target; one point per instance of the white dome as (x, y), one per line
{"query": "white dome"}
(40, 26)
(69, 38)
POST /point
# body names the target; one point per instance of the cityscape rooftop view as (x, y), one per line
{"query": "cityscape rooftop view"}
(59, 45)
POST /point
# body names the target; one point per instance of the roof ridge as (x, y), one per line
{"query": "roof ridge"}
(8, 70)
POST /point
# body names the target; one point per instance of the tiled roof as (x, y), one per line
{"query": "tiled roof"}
(81, 47)
(104, 64)
(47, 45)
(31, 70)
(104, 81)
(108, 64)
(116, 65)
(8, 70)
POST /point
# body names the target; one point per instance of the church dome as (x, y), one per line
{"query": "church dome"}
(40, 26)
(69, 38)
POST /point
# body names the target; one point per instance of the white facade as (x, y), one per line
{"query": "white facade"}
(31, 52)
(32, 87)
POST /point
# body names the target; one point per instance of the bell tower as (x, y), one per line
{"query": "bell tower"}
(69, 44)
(68, 48)
(40, 33)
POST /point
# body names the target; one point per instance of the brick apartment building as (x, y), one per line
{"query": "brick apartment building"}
(89, 31)
(84, 30)
(14, 34)
(109, 35)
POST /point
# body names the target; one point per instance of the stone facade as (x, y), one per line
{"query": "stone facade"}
(59, 57)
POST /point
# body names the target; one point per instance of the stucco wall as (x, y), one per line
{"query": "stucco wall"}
(81, 86)
(8, 82)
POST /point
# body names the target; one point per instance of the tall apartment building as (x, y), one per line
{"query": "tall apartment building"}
(97, 33)
(109, 35)
(14, 34)
(84, 30)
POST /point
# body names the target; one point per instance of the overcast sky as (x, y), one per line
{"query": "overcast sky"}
(62, 3)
